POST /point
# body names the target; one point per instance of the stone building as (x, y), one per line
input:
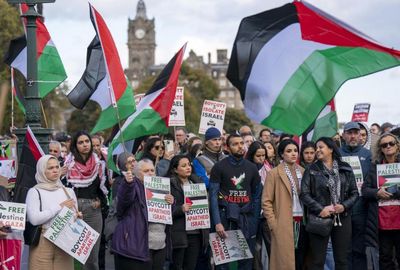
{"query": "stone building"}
(142, 45)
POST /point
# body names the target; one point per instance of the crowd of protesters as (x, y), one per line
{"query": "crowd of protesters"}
(276, 188)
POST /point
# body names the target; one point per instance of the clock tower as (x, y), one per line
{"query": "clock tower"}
(141, 45)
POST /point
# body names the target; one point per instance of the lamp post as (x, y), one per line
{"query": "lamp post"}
(33, 109)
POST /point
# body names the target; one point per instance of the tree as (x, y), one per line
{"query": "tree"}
(234, 119)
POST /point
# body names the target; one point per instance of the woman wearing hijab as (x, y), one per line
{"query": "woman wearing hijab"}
(328, 190)
(84, 173)
(283, 210)
(52, 196)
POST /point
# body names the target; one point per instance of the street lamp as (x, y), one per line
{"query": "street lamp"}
(33, 112)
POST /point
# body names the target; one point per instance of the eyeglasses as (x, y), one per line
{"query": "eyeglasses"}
(385, 145)
(131, 161)
(157, 147)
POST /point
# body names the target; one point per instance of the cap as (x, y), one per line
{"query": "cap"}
(212, 133)
(351, 125)
(277, 132)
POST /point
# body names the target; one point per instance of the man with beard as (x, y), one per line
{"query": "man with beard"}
(211, 154)
(235, 196)
(355, 154)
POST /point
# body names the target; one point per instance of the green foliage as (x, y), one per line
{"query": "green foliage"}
(234, 119)
(84, 119)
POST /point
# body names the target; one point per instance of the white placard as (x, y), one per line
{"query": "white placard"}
(388, 175)
(13, 215)
(158, 209)
(233, 248)
(198, 217)
(212, 115)
(7, 168)
(355, 164)
(177, 114)
(72, 235)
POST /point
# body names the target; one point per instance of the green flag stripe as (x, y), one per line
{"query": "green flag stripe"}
(108, 117)
(316, 82)
(325, 126)
(50, 70)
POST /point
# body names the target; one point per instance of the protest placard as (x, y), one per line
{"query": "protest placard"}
(198, 217)
(177, 114)
(233, 248)
(8, 149)
(72, 235)
(388, 176)
(361, 112)
(7, 168)
(212, 115)
(159, 211)
(13, 215)
(355, 164)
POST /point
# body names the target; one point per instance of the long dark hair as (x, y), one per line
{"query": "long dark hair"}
(74, 149)
(148, 146)
(254, 146)
(304, 146)
(283, 144)
(331, 145)
(173, 165)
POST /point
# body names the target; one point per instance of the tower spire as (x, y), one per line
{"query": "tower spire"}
(141, 10)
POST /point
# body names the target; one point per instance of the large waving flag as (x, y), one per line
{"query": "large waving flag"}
(290, 61)
(30, 154)
(153, 111)
(104, 80)
(50, 67)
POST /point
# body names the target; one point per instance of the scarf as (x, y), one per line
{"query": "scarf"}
(297, 209)
(41, 179)
(334, 188)
(83, 175)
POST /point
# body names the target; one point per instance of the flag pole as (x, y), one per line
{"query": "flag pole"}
(12, 97)
(44, 114)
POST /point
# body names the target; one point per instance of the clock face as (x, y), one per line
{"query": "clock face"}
(140, 33)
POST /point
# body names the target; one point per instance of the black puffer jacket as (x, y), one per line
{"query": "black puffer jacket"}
(178, 228)
(315, 193)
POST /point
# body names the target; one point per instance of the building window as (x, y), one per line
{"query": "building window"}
(222, 94)
(215, 74)
(222, 83)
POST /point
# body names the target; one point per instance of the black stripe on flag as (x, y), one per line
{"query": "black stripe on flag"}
(254, 32)
(158, 191)
(15, 48)
(198, 198)
(94, 73)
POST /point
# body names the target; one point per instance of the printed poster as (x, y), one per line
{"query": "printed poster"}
(10, 254)
(355, 164)
(388, 175)
(177, 114)
(198, 217)
(233, 248)
(212, 115)
(361, 112)
(13, 215)
(158, 209)
(72, 235)
(8, 149)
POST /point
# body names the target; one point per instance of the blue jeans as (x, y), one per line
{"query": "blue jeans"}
(329, 261)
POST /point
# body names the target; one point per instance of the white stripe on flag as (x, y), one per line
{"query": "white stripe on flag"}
(102, 94)
(275, 64)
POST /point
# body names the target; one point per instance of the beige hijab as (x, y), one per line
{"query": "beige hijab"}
(41, 179)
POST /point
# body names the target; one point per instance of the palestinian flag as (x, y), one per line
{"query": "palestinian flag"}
(50, 67)
(30, 154)
(326, 124)
(107, 85)
(94, 86)
(290, 61)
(153, 111)
(17, 93)
(197, 202)
(156, 195)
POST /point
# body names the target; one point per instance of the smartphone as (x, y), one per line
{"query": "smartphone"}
(169, 145)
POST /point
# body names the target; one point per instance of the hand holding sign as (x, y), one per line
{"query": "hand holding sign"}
(186, 207)
(383, 194)
(70, 203)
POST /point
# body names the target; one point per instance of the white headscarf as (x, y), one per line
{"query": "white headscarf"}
(41, 179)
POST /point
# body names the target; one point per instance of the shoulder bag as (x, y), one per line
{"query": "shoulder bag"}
(32, 233)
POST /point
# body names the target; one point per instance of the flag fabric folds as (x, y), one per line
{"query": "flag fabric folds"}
(153, 111)
(104, 80)
(17, 93)
(51, 70)
(326, 124)
(289, 62)
(30, 154)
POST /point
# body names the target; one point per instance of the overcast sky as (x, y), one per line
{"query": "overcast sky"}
(208, 25)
